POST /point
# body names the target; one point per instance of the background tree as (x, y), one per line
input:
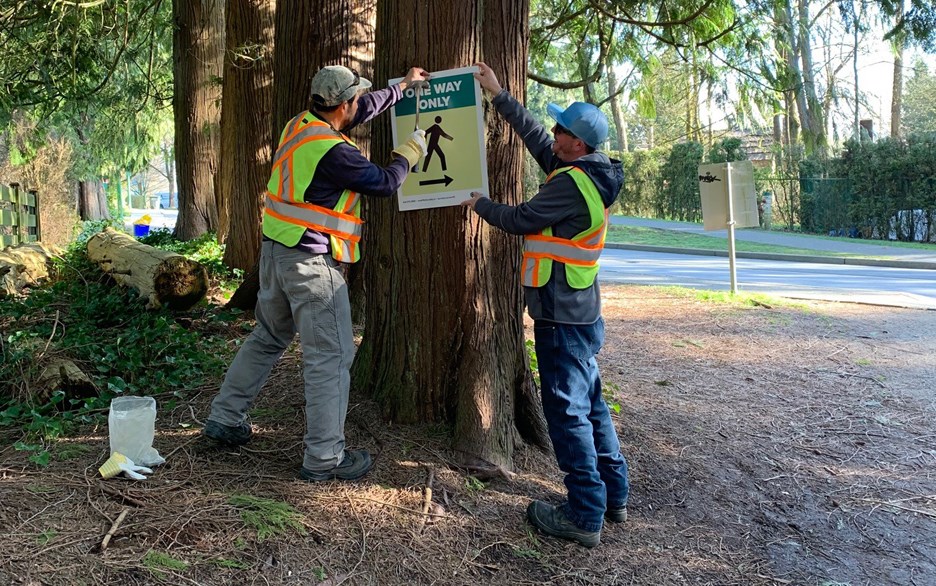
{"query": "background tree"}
(197, 55)
(919, 105)
(309, 36)
(95, 74)
(444, 331)
(246, 148)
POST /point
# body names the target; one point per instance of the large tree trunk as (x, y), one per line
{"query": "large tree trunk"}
(310, 35)
(197, 53)
(444, 330)
(162, 278)
(794, 77)
(245, 128)
(92, 201)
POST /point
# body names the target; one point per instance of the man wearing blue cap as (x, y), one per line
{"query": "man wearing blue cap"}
(564, 227)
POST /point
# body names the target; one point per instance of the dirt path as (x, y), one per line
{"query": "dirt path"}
(767, 445)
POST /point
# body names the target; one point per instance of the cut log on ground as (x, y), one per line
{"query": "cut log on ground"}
(163, 278)
(26, 265)
(64, 375)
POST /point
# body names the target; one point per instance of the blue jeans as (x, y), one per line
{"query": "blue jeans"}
(583, 436)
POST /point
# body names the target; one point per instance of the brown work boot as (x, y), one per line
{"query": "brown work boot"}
(552, 521)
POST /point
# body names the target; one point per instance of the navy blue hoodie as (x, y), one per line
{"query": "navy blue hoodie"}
(559, 204)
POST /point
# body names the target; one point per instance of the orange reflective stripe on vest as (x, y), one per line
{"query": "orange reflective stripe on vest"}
(286, 214)
(319, 218)
(579, 254)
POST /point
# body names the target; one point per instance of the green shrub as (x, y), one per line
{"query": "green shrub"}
(679, 184)
(108, 333)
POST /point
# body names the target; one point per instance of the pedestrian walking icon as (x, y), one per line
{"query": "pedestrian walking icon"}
(433, 134)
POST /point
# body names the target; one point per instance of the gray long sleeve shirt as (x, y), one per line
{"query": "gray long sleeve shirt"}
(559, 204)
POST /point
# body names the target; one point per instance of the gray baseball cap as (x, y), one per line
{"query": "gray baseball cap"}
(335, 84)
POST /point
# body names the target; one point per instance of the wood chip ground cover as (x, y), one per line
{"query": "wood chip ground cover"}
(767, 445)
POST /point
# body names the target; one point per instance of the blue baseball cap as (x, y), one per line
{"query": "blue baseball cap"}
(584, 120)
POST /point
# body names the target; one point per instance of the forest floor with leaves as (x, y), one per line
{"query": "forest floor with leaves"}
(773, 443)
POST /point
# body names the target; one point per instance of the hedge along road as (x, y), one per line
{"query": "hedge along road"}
(878, 285)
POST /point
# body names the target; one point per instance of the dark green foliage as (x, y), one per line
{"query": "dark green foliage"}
(919, 107)
(639, 195)
(727, 150)
(108, 333)
(204, 249)
(884, 189)
(679, 184)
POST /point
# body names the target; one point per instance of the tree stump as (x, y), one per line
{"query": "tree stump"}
(64, 375)
(163, 278)
(26, 265)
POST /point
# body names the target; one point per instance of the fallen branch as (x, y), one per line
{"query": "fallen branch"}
(894, 504)
(113, 529)
(427, 499)
(116, 493)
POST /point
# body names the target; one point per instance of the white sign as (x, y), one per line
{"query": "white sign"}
(450, 111)
(713, 187)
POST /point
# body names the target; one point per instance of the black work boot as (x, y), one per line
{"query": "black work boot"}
(355, 465)
(228, 435)
(552, 521)
(616, 514)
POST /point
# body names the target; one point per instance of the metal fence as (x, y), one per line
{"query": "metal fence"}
(19, 215)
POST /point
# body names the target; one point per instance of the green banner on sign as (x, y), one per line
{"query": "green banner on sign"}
(444, 93)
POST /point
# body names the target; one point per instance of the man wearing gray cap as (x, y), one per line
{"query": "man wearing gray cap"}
(311, 223)
(564, 227)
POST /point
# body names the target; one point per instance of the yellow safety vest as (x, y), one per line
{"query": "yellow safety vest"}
(580, 253)
(286, 215)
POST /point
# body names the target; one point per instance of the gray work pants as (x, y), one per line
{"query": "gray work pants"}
(304, 293)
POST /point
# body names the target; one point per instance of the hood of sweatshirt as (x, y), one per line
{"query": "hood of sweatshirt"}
(608, 175)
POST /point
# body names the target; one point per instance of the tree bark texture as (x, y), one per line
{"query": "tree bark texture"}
(163, 278)
(92, 201)
(794, 76)
(245, 128)
(308, 36)
(26, 265)
(198, 48)
(444, 327)
(311, 35)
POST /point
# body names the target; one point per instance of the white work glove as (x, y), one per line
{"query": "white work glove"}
(414, 148)
(118, 463)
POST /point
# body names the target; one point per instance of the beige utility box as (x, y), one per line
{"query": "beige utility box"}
(713, 187)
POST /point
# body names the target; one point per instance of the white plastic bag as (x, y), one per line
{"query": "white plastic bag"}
(132, 426)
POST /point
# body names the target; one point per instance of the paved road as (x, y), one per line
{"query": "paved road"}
(913, 288)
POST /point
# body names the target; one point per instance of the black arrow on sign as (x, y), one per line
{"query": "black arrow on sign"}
(445, 180)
